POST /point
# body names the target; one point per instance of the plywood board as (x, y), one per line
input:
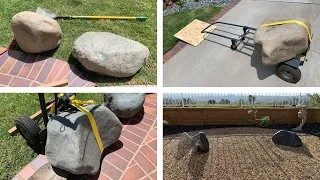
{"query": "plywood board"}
(192, 32)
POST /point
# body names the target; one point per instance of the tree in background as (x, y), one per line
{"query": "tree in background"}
(211, 102)
(224, 101)
(251, 99)
(314, 99)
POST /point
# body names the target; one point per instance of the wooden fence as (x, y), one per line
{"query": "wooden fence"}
(231, 116)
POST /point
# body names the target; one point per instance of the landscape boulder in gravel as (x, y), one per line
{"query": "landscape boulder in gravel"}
(286, 138)
(201, 143)
(124, 105)
(71, 144)
(280, 43)
(35, 33)
(110, 54)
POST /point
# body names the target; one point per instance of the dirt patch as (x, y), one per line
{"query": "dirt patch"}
(243, 153)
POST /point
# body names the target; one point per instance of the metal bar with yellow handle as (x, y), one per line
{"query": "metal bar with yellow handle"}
(138, 18)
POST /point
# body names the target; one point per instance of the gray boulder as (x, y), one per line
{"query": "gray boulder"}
(280, 43)
(286, 138)
(201, 143)
(110, 54)
(124, 105)
(36, 33)
(71, 144)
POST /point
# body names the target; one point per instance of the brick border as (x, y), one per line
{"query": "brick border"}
(180, 45)
(19, 69)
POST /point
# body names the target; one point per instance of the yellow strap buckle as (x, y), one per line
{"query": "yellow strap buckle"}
(290, 22)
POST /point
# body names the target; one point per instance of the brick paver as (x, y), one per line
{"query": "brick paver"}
(26, 70)
(133, 156)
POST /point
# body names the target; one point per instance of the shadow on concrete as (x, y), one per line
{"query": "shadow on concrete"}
(263, 71)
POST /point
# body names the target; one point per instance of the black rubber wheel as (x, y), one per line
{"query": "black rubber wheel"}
(233, 47)
(29, 130)
(289, 73)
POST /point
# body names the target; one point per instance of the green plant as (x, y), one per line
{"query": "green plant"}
(165, 123)
(263, 122)
(179, 2)
(314, 99)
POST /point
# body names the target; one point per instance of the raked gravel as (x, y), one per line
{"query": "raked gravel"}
(192, 4)
(243, 153)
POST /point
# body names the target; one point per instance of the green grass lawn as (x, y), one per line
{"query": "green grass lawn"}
(175, 22)
(144, 32)
(14, 152)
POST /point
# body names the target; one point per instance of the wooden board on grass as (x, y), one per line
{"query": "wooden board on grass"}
(192, 32)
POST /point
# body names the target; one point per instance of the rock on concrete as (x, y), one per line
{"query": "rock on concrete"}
(110, 54)
(124, 105)
(71, 144)
(201, 142)
(286, 138)
(281, 43)
(36, 33)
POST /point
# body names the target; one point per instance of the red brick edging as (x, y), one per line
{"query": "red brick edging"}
(19, 69)
(180, 45)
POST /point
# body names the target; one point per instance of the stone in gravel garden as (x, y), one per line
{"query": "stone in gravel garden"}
(71, 144)
(185, 142)
(110, 54)
(184, 146)
(124, 105)
(286, 138)
(35, 33)
(201, 142)
(280, 43)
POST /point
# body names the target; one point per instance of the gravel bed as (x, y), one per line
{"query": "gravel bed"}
(242, 153)
(191, 4)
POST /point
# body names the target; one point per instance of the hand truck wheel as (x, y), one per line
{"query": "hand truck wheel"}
(233, 47)
(29, 129)
(288, 73)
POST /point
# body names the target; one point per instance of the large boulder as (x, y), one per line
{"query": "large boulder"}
(36, 33)
(124, 105)
(286, 138)
(71, 144)
(281, 43)
(110, 54)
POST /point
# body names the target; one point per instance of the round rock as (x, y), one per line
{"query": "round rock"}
(35, 33)
(124, 105)
(110, 54)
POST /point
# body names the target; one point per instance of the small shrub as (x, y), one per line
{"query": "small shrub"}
(180, 3)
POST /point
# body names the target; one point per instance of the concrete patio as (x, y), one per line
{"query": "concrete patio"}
(213, 63)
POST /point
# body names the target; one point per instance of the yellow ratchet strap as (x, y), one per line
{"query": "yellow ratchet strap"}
(290, 22)
(78, 104)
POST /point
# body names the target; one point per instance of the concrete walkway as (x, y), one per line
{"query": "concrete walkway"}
(213, 63)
